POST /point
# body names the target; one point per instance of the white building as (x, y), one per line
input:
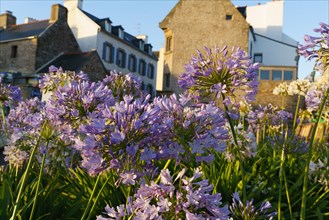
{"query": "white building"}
(268, 45)
(118, 49)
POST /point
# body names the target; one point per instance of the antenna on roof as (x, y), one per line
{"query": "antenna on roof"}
(138, 28)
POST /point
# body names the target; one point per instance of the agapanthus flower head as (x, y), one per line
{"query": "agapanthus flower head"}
(299, 87)
(317, 47)
(281, 89)
(9, 94)
(221, 74)
(57, 77)
(189, 198)
(291, 144)
(267, 116)
(315, 94)
(319, 172)
(239, 210)
(123, 84)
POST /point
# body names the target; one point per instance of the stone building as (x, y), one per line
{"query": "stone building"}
(193, 24)
(27, 50)
(26, 47)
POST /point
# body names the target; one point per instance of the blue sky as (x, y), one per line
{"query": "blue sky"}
(143, 16)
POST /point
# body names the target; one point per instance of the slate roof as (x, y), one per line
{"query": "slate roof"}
(128, 38)
(100, 22)
(69, 61)
(24, 30)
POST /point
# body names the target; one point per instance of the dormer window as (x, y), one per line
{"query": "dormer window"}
(121, 33)
(141, 44)
(108, 26)
(148, 48)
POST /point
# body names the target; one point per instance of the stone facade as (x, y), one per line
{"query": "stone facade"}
(57, 39)
(94, 67)
(193, 24)
(24, 62)
(31, 52)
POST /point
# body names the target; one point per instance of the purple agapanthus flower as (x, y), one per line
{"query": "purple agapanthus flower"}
(317, 47)
(239, 210)
(9, 95)
(221, 74)
(192, 198)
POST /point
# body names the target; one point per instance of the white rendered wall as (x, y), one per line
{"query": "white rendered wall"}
(83, 28)
(103, 37)
(274, 53)
(267, 19)
(159, 71)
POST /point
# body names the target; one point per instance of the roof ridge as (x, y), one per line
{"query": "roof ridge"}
(36, 21)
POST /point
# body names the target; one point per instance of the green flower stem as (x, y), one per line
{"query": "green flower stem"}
(4, 121)
(296, 113)
(29, 165)
(97, 197)
(283, 104)
(280, 185)
(90, 199)
(244, 193)
(38, 184)
(309, 157)
(165, 167)
(287, 194)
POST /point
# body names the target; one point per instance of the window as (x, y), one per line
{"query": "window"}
(150, 72)
(143, 86)
(258, 58)
(121, 58)
(149, 89)
(287, 75)
(13, 51)
(228, 17)
(108, 52)
(250, 49)
(142, 67)
(264, 75)
(276, 75)
(169, 43)
(132, 63)
(167, 80)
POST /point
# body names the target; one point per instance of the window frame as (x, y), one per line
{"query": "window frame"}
(143, 71)
(169, 43)
(260, 74)
(109, 53)
(132, 63)
(260, 55)
(121, 54)
(150, 71)
(14, 51)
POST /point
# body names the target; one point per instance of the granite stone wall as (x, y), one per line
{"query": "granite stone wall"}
(194, 24)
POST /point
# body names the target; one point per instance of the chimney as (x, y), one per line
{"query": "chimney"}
(142, 37)
(7, 19)
(29, 20)
(58, 13)
(72, 4)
